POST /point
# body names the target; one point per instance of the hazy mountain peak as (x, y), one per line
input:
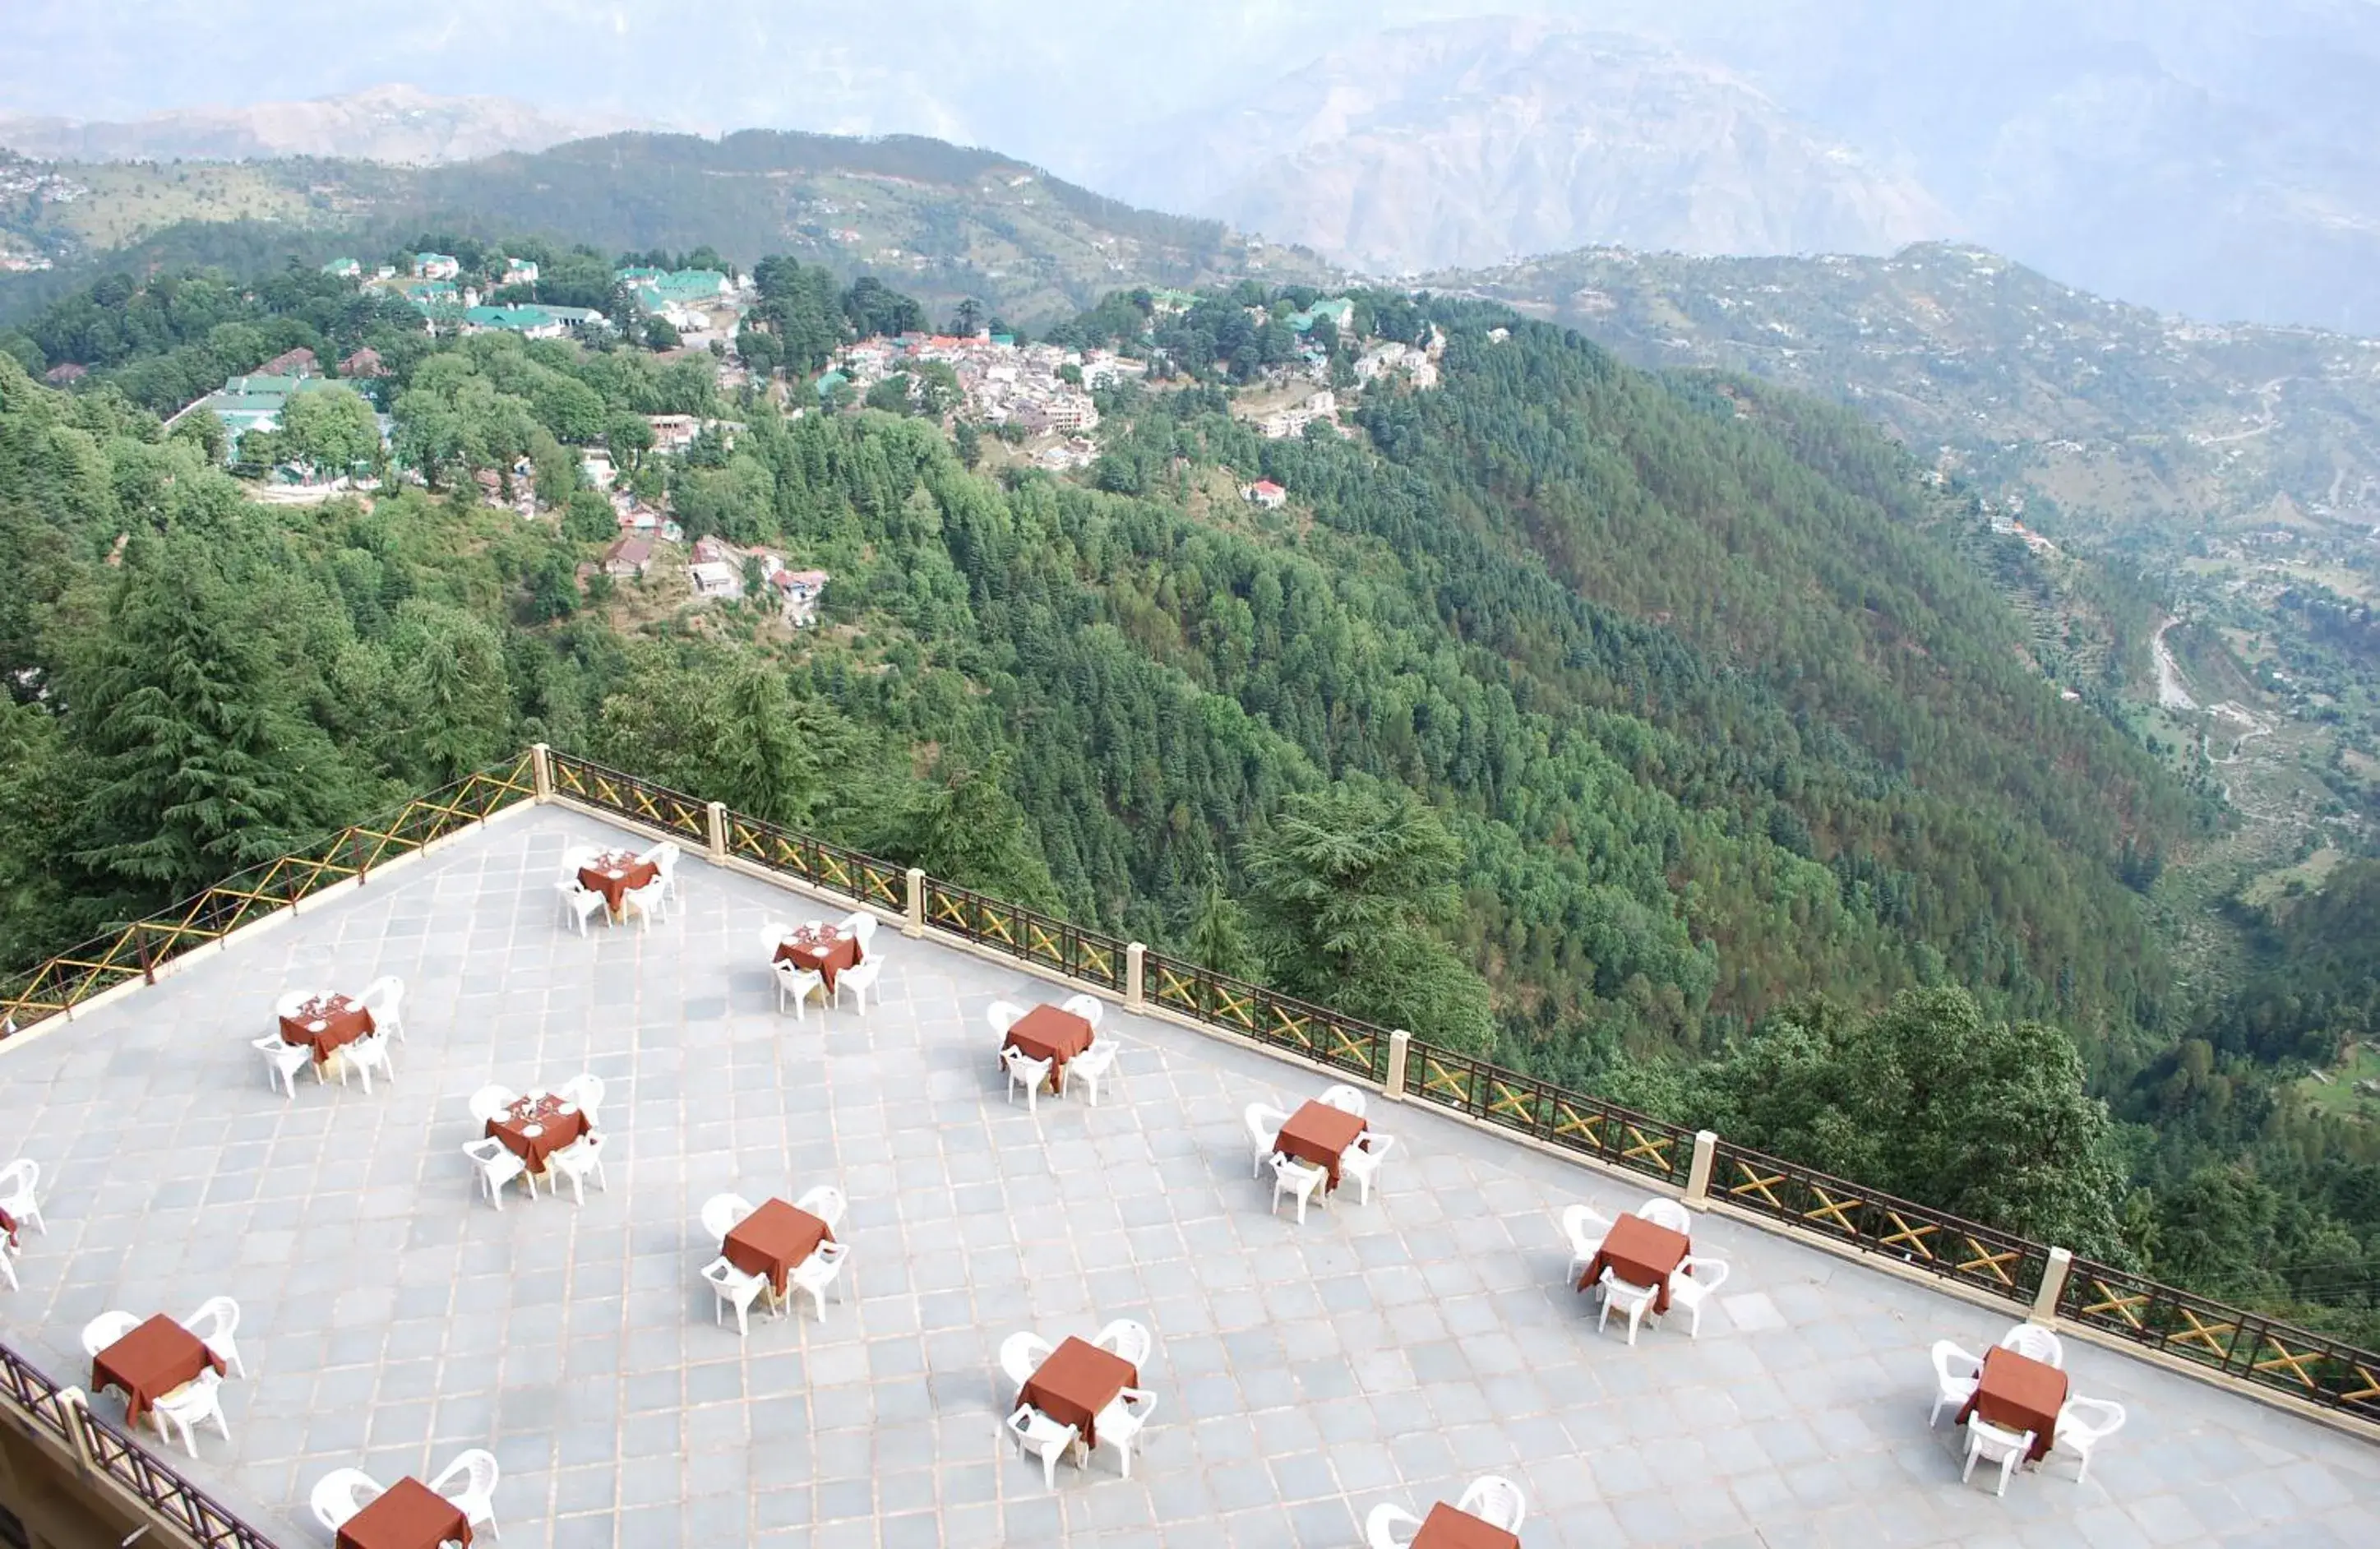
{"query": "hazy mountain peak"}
(388, 123)
(1466, 143)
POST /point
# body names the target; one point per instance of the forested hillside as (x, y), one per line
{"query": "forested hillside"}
(1628, 726)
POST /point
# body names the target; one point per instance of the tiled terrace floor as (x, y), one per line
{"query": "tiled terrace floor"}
(1382, 1353)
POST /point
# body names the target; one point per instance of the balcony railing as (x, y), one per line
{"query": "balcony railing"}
(2225, 1342)
(148, 1479)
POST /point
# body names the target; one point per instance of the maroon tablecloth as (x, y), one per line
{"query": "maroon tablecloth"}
(773, 1239)
(325, 1024)
(1640, 1252)
(2018, 1392)
(818, 949)
(408, 1515)
(1320, 1134)
(1446, 1528)
(150, 1361)
(1078, 1381)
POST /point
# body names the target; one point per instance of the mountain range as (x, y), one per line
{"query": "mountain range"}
(399, 124)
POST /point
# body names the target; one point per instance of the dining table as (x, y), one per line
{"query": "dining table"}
(1446, 1528)
(774, 1240)
(615, 874)
(1052, 1033)
(408, 1515)
(2020, 1394)
(1318, 1134)
(537, 1125)
(150, 1361)
(326, 1023)
(1640, 1252)
(820, 949)
(1076, 1382)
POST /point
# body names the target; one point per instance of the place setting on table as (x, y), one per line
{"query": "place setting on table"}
(622, 878)
(330, 1028)
(528, 1134)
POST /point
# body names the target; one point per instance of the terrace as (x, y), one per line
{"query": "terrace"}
(1387, 1352)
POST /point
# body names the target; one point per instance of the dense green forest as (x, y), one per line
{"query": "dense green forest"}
(1642, 731)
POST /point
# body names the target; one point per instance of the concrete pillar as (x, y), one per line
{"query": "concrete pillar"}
(1135, 958)
(2053, 1286)
(1400, 1045)
(1698, 1175)
(914, 925)
(718, 830)
(540, 762)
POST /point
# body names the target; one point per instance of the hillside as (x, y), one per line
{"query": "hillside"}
(942, 222)
(394, 123)
(1467, 143)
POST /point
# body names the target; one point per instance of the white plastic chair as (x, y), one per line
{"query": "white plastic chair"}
(579, 904)
(664, 858)
(364, 1055)
(1496, 1500)
(577, 858)
(214, 1322)
(773, 936)
(1121, 1421)
(1383, 1523)
(1021, 1355)
(1036, 1433)
(339, 1495)
(384, 998)
(1696, 1280)
(2035, 1343)
(863, 926)
(1127, 1340)
(1090, 1068)
(818, 1274)
(584, 1093)
(797, 984)
(719, 1214)
(1003, 1016)
(18, 1181)
(282, 1060)
(646, 904)
(497, 1166)
(471, 1483)
(105, 1330)
(1669, 1213)
(291, 1003)
(1027, 1072)
(1994, 1444)
(8, 1265)
(2083, 1424)
(1090, 1008)
(1636, 1298)
(1264, 1122)
(1346, 1099)
(579, 1161)
(191, 1405)
(860, 978)
(736, 1290)
(1292, 1176)
(491, 1102)
(1956, 1374)
(1586, 1228)
(1361, 1160)
(826, 1203)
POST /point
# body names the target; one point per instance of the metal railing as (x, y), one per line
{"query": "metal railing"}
(1915, 1235)
(2245, 1346)
(2231, 1342)
(138, 950)
(148, 1479)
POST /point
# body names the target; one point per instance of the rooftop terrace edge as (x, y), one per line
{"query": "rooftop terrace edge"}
(2273, 1363)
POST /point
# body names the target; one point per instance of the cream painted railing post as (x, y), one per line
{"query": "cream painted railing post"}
(1698, 1175)
(718, 827)
(1135, 957)
(540, 763)
(1400, 1045)
(915, 924)
(2053, 1286)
